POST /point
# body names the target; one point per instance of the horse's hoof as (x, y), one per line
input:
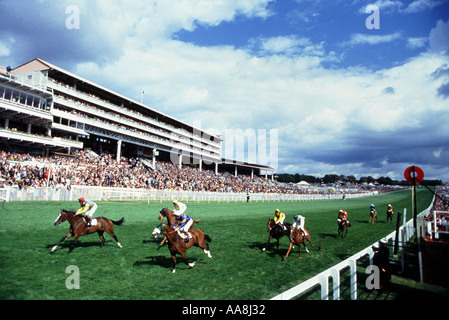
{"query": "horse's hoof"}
(263, 249)
(173, 271)
(191, 265)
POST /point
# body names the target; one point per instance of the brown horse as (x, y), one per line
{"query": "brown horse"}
(276, 231)
(299, 239)
(343, 228)
(372, 215)
(78, 227)
(176, 243)
(166, 212)
(390, 215)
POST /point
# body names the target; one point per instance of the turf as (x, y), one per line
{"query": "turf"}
(238, 269)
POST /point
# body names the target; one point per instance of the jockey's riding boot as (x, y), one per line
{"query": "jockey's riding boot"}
(87, 221)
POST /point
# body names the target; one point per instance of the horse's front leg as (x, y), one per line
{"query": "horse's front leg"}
(290, 249)
(74, 243)
(174, 262)
(63, 238)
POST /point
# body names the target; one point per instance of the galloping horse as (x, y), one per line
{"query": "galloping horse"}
(176, 244)
(165, 212)
(390, 215)
(79, 228)
(299, 239)
(276, 231)
(372, 215)
(343, 227)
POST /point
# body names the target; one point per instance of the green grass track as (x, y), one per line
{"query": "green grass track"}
(238, 269)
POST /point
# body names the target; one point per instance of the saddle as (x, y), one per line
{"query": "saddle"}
(91, 223)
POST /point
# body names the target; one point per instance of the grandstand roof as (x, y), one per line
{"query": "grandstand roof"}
(38, 64)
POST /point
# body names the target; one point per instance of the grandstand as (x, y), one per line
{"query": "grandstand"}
(46, 110)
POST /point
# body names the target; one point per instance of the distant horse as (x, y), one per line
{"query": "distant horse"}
(299, 239)
(343, 227)
(78, 227)
(276, 231)
(166, 213)
(390, 215)
(372, 216)
(176, 243)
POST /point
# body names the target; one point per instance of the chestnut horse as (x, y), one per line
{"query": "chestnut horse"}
(390, 215)
(176, 244)
(165, 212)
(78, 227)
(372, 215)
(276, 231)
(299, 239)
(343, 227)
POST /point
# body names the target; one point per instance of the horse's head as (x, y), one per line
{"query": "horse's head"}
(63, 216)
(162, 214)
(270, 224)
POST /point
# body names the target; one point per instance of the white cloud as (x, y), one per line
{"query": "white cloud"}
(4, 50)
(360, 38)
(439, 38)
(421, 5)
(417, 42)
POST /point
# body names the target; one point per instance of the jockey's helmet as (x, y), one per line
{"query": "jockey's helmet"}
(82, 199)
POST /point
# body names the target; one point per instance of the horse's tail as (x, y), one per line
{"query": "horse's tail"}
(117, 223)
(207, 238)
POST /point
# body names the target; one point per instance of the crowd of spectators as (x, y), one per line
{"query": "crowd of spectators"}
(441, 207)
(90, 169)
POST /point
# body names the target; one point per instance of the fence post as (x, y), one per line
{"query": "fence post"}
(336, 283)
(353, 275)
(324, 282)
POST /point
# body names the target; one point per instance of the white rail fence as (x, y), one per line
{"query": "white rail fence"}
(322, 279)
(132, 194)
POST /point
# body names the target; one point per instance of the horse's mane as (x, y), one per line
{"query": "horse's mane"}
(69, 211)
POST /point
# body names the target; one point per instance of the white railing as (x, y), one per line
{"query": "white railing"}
(62, 193)
(322, 279)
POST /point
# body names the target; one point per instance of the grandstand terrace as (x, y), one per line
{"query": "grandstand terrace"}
(46, 110)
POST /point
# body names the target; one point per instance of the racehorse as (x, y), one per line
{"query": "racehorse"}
(176, 243)
(343, 227)
(79, 228)
(390, 215)
(299, 239)
(276, 231)
(372, 215)
(166, 212)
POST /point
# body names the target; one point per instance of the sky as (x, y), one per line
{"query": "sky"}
(306, 86)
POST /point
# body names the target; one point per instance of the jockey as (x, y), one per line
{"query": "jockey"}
(372, 207)
(279, 218)
(298, 223)
(180, 208)
(88, 208)
(342, 216)
(389, 208)
(183, 223)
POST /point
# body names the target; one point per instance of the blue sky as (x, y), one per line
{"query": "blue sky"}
(336, 96)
